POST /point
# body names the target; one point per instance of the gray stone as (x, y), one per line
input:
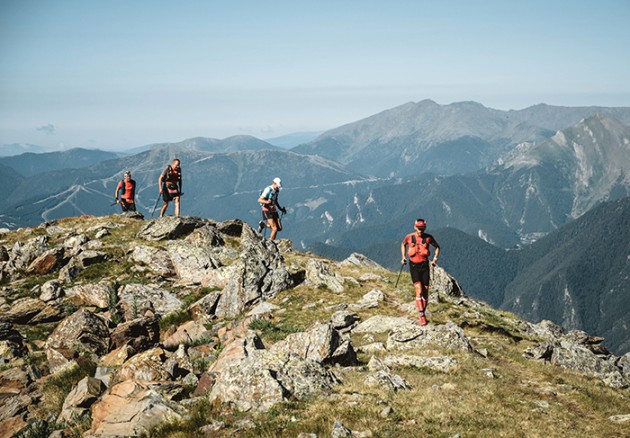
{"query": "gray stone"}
(46, 262)
(207, 236)
(233, 227)
(155, 259)
(444, 284)
(22, 254)
(448, 336)
(148, 365)
(581, 359)
(621, 419)
(190, 332)
(441, 364)
(383, 324)
(370, 300)
(76, 241)
(51, 291)
(319, 274)
(102, 233)
(80, 332)
(322, 344)
(356, 259)
(80, 398)
(387, 380)
(262, 309)
(340, 431)
(343, 318)
(90, 257)
(138, 296)
(205, 306)
(386, 412)
(168, 228)
(191, 262)
(372, 348)
(105, 375)
(547, 330)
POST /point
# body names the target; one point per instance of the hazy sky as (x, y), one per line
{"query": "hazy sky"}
(116, 74)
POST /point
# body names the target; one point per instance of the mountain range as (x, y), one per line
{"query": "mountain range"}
(521, 176)
(31, 164)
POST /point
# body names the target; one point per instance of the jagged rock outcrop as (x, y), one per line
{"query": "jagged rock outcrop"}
(259, 273)
(140, 334)
(135, 297)
(157, 260)
(322, 344)
(320, 274)
(82, 396)
(94, 294)
(169, 227)
(80, 332)
(448, 336)
(577, 351)
(356, 259)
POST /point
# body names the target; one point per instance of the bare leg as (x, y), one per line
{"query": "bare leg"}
(274, 228)
(163, 209)
(177, 206)
(421, 301)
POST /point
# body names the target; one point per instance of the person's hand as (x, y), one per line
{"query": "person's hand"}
(283, 210)
(160, 191)
(434, 262)
(403, 262)
(117, 201)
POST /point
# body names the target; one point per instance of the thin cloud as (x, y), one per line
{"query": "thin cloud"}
(48, 129)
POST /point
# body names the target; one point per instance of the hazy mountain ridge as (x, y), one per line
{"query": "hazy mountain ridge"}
(30, 164)
(409, 133)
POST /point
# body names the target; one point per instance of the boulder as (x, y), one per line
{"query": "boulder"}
(80, 332)
(23, 310)
(342, 319)
(91, 257)
(140, 334)
(232, 228)
(148, 365)
(76, 241)
(51, 291)
(263, 378)
(448, 336)
(70, 271)
(383, 324)
(207, 236)
(263, 309)
(156, 259)
(370, 300)
(322, 344)
(22, 254)
(168, 228)
(581, 359)
(134, 297)
(94, 294)
(443, 283)
(191, 262)
(50, 313)
(46, 262)
(319, 274)
(4, 254)
(132, 408)
(387, 380)
(442, 364)
(186, 334)
(205, 306)
(80, 398)
(356, 259)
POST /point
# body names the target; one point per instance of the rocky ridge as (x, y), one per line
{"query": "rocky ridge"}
(112, 326)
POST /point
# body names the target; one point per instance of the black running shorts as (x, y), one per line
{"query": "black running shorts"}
(270, 214)
(419, 272)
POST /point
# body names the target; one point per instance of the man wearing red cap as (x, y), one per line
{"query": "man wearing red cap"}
(419, 252)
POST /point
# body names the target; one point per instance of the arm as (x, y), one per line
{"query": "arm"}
(160, 182)
(403, 252)
(437, 252)
(118, 187)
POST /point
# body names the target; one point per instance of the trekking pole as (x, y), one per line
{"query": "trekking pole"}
(402, 265)
(156, 203)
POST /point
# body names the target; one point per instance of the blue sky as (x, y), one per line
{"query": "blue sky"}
(116, 74)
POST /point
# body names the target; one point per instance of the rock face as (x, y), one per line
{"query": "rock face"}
(383, 324)
(156, 259)
(356, 259)
(23, 310)
(80, 398)
(444, 283)
(81, 331)
(147, 365)
(97, 294)
(131, 408)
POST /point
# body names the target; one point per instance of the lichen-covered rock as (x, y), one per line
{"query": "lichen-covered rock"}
(579, 358)
(156, 259)
(370, 300)
(132, 408)
(80, 332)
(148, 365)
(188, 333)
(383, 324)
(168, 227)
(322, 344)
(23, 310)
(94, 294)
(356, 259)
(134, 297)
(232, 228)
(22, 254)
(444, 283)
(191, 262)
(443, 364)
(51, 291)
(82, 396)
(387, 380)
(46, 262)
(319, 274)
(342, 319)
(205, 306)
(139, 333)
(448, 336)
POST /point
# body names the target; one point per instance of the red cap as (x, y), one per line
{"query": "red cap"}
(420, 223)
